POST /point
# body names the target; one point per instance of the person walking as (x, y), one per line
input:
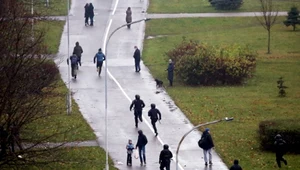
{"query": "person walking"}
(86, 14)
(141, 144)
(78, 51)
(137, 59)
(100, 58)
(129, 148)
(90, 11)
(165, 158)
(170, 70)
(128, 16)
(208, 144)
(138, 108)
(74, 65)
(154, 115)
(236, 165)
(280, 150)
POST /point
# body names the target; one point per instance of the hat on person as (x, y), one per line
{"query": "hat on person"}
(207, 129)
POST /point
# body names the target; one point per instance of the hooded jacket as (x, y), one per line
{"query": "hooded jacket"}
(99, 56)
(142, 140)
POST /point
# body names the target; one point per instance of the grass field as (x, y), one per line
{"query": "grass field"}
(203, 6)
(250, 103)
(55, 8)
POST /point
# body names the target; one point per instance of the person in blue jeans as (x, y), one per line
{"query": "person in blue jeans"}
(100, 58)
(141, 144)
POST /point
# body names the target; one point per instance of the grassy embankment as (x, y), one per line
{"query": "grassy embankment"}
(249, 103)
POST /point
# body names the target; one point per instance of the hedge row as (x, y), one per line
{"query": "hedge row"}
(226, 4)
(289, 129)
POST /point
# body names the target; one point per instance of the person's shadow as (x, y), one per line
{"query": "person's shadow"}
(208, 168)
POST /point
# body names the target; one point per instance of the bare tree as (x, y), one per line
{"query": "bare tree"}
(27, 79)
(268, 19)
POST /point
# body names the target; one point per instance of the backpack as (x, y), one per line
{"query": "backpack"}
(201, 142)
(74, 60)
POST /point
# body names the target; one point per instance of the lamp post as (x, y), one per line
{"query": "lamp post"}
(69, 98)
(207, 123)
(106, 135)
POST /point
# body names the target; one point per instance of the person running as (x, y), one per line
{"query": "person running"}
(128, 16)
(78, 51)
(141, 144)
(280, 150)
(208, 144)
(86, 14)
(74, 64)
(165, 158)
(235, 166)
(137, 59)
(129, 148)
(138, 108)
(100, 58)
(154, 115)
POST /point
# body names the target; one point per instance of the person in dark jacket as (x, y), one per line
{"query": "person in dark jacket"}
(170, 70)
(78, 51)
(100, 58)
(154, 115)
(208, 144)
(90, 11)
(280, 150)
(138, 108)
(86, 14)
(235, 166)
(141, 144)
(128, 16)
(165, 158)
(74, 65)
(137, 59)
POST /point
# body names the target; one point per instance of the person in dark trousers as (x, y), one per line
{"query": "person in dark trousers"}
(100, 58)
(129, 148)
(86, 14)
(137, 59)
(78, 51)
(170, 70)
(138, 107)
(165, 158)
(74, 64)
(91, 13)
(141, 144)
(280, 150)
(154, 115)
(128, 16)
(208, 144)
(235, 166)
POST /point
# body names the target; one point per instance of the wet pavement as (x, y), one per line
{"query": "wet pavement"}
(123, 84)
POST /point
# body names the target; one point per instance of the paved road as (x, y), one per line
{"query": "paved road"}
(123, 84)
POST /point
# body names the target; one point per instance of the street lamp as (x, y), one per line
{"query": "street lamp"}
(69, 97)
(207, 123)
(106, 135)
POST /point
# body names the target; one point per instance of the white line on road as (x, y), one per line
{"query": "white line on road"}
(119, 85)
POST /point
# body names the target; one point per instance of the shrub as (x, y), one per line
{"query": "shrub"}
(288, 129)
(226, 4)
(197, 63)
(281, 87)
(293, 18)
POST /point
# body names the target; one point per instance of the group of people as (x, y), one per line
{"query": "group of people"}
(89, 14)
(165, 155)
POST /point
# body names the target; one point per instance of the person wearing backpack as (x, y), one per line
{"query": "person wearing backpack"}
(74, 64)
(165, 158)
(141, 144)
(280, 150)
(206, 143)
(154, 115)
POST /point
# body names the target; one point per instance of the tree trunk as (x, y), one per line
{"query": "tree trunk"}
(269, 41)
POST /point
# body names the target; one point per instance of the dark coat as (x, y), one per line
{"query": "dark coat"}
(90, 10)
(138, 105)
(86, 10)
(235, 167)
(170, 71)
(137, 55)
(128, 16)
(208, 144)
(165, 156)
(142, 141)
(78, 50)
(154, 114)
(280, 146)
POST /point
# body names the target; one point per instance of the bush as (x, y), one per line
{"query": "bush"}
(288, 129)
(197, 63)
(226, 4)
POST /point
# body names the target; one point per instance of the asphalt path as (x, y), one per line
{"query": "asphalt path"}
(123, 84)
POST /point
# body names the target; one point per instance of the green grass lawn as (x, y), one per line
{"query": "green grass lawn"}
(203, 6)
(55, 8)
(250, 103)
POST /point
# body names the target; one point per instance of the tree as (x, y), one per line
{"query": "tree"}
(292, 18)
(26, 80)
(268, 19)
